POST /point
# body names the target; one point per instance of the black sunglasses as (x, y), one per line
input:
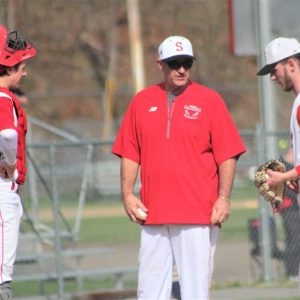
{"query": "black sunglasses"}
(176, 65)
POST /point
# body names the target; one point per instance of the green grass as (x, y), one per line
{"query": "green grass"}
(245, 191)
(109, 231)
(235, 228)
(119, 230)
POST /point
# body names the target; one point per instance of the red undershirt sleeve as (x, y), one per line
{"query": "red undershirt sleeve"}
(298, 120)
(298, 115)
(298, 169)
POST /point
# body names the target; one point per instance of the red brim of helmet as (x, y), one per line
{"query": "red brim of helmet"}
(11, 59)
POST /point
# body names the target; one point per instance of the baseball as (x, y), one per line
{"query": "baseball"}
(142, 213)
(267, 176)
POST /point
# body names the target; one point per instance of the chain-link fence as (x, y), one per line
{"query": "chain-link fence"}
(73, 212)
(272, 240)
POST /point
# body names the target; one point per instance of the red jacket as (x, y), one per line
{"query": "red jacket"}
(178, 151)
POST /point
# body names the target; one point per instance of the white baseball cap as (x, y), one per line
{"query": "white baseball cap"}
(174, 47)
(278, 50)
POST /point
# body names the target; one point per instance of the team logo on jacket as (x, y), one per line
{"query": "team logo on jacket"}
(191, 112)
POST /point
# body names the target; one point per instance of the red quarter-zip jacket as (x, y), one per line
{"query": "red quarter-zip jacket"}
(178, 151)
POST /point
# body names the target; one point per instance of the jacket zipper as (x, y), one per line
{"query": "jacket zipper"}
(169, 119)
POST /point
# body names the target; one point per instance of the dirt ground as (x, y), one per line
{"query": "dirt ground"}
(232, 262)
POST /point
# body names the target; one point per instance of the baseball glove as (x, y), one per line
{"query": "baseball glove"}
(272, 194)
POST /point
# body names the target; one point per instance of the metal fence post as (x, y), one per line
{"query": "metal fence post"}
(32, 181)
(57, 228)
(83, 190)
(264, 207)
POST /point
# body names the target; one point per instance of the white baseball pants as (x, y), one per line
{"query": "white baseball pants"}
(190, 247)
(10, 216)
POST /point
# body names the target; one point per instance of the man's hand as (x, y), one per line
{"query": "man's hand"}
(6, 171)
(221, 210)
(131, 205)
(275, 178)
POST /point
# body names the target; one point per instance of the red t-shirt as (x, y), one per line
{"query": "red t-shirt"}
(179, 151)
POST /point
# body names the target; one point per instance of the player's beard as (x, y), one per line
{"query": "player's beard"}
(287, 83)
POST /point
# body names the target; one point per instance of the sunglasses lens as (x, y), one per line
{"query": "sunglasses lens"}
(175, 65)
(188, 64)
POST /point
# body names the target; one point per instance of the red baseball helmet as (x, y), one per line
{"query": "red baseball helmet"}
(14, 48)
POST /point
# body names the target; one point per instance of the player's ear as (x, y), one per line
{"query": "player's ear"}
(291, 64)
(159, 64)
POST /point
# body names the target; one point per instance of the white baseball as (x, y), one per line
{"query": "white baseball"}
(267, 176)
(142, 213)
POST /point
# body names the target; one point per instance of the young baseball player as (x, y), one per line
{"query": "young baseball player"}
(177, 134)
(15, 50)
(282, 56)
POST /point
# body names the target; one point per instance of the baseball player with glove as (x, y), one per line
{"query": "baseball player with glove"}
(177, 133)
(15, 50)
(282, 56)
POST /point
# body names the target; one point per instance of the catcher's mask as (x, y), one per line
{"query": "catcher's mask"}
(14, 48)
